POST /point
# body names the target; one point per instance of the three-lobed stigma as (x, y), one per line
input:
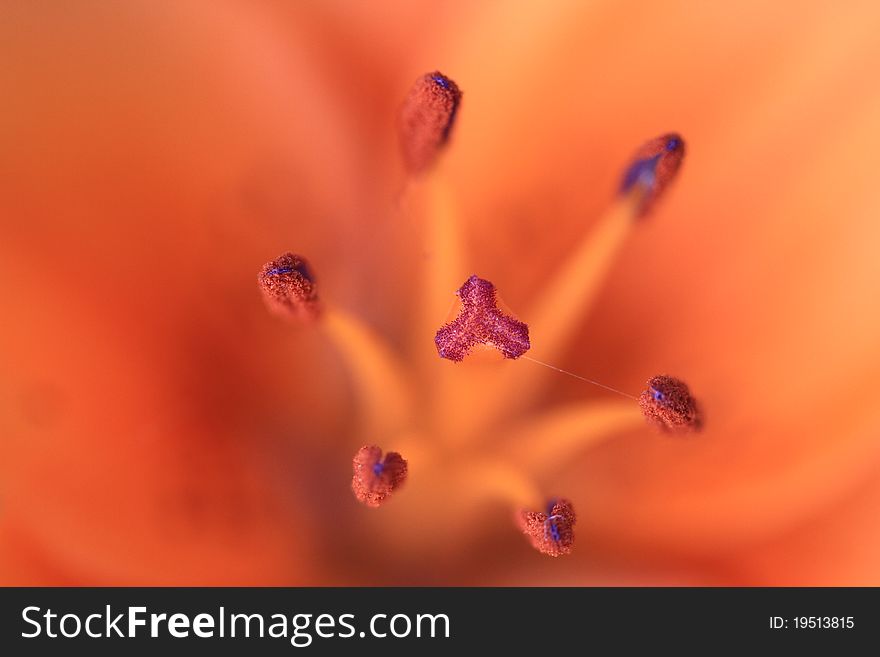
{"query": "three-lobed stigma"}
(288, 288)
(550, 532)
(668, 404)
(374, 479)
(652, 169)
(481, 322)
(426, 120)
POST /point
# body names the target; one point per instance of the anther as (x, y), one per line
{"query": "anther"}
(652, 169)
(426, 120)
(668, 403)
(481, 322)
(552, 532)
(288, 288)
(375, 478)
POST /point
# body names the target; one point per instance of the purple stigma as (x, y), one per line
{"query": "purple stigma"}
(481, 322)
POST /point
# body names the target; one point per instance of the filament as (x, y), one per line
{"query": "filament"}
(572, 290)
(503, 482)
(380, 384)
(556, 437)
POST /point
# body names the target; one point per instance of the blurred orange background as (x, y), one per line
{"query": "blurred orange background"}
(158, 426)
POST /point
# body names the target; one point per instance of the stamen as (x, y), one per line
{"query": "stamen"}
(574, 287)
(652, 169)
(551, 533)
(668, 403)
(375, 479)
(289, 289)
(481, 322)
(426, 120)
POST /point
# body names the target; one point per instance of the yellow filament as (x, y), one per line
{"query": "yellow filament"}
(380, 384)
(500, 481)
(575, 286)
(552, 440)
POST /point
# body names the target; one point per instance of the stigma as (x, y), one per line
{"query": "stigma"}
(481, 322)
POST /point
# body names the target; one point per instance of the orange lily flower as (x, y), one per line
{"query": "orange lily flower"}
(160, 427)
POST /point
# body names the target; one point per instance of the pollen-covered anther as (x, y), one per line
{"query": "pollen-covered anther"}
(426, 120)
(374, 478)
(652, 169)
(668, 403)
(480, 321)
(289, 289)
(551, 532)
